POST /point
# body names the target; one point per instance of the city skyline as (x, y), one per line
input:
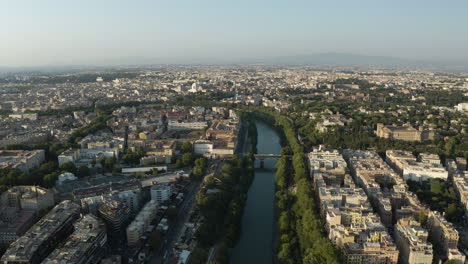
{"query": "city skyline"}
(119, 32)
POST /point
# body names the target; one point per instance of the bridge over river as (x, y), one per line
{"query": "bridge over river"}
(262, 157)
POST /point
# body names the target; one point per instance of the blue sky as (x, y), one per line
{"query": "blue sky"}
(46, 32)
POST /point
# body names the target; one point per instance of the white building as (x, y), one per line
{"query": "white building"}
(462, 107)
(66, 176)
(202, 146)
(131, 198)
(429, 158)
(138, 227)
(330, 161)
(197, 125)
(143, 169)
(419, 171)
(71, 155)
(86, 155)
(411, 240)
(161, 192)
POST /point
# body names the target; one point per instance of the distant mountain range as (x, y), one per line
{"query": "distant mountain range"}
(329, 59)
(344, 59)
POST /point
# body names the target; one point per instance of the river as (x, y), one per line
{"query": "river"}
(256, 241)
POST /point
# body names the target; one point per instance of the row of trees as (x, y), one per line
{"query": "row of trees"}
(133, 157)
(96, 125)
(44, 176)
(302, 236)
(199, 167)
(187, 156)
(222, 210)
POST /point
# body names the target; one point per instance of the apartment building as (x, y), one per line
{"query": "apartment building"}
(349, 219)
(140, 224)
(24, 160)
(32, 198)
(443, 234)
(85, 245)
(42, 238)
(411, 240)
(161, 192)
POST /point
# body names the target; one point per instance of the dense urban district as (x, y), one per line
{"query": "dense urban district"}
(154, 165)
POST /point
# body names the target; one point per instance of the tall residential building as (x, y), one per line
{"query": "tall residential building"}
(116, 215)
(161, 192)
(86, 245)
(349, 219)
(374, 247)
(444, 235)
(42, 238)
(411, 240)
(14, 223)
(141, 222)
(328, 161)
(128, 192)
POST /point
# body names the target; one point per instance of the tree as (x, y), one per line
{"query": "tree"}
(198, 256)
(47, 167)
(171, 213)
(187, 159)
(200, 162)
(197, 172)
(155, 239)
(222, 254)
(128, 158)
(154, 172)
(422, 218)
(179, 163)
(69, 166)
(102, 160)
(50, 179)
(109, 163)
(209, 182)
(83, 171)
(187, 147)
(452, 210)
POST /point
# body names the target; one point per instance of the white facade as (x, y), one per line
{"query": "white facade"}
(411, 240)
(130, 198)
(66, 176)
(423, 171)
(71, 155)
(161, 192)
(136, 229)
(175, 125)
(75, 155)
(202, 146)
(143, 169)
(462, 107)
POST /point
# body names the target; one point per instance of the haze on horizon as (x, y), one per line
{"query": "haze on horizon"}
(53, 32)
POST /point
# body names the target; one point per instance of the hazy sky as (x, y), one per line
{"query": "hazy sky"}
(44, 32)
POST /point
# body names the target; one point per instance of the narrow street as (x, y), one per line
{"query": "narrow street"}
(173, 234)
